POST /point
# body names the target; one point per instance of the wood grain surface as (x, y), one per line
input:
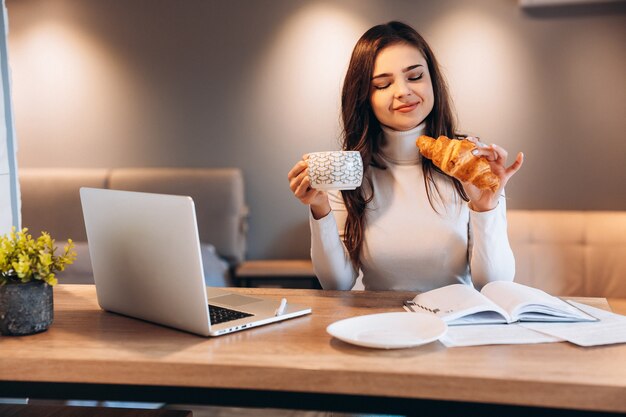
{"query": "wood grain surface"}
(88, 345)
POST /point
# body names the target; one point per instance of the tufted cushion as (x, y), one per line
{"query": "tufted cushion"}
(51, 203)
(605, 254)
(216, 270)
(218, 195)
(570, 252)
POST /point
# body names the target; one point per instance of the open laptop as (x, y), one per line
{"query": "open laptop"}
(147, 264)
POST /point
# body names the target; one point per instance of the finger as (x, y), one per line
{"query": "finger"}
(295, 182)
(519, 161)
(487, 152)
(304, 174)
(297, 169)
(476, 141)
(501, 153)
(493, 153)
(303, 188)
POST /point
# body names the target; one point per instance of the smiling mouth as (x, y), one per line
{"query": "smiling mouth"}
(406, 108)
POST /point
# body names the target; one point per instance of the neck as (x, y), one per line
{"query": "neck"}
(400, 147)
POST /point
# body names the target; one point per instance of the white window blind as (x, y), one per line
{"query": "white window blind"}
(9, 186)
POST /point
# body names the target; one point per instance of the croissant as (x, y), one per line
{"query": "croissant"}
(454, 157)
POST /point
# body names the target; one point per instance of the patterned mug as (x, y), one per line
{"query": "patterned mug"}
(335, 170)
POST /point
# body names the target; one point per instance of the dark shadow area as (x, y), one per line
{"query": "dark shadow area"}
(275, 399)
(576, 10)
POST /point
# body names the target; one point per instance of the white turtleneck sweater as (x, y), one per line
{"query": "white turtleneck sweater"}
(407, 245)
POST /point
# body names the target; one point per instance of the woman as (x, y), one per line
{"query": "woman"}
(410, 226)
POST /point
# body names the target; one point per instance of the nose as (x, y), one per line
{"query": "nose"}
(402, 89)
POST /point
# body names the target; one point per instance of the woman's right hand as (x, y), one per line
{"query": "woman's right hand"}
(300, 185)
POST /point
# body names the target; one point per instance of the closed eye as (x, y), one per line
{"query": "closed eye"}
(419, 77)
(382, 87)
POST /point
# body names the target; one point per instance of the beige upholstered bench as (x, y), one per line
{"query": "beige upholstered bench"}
(575, 253)
(51, 202)
(578, 253)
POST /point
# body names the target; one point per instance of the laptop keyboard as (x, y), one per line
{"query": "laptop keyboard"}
(222, 315)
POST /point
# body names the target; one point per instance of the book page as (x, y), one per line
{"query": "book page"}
(494, 334)
(457, 301)
(610, 329)
(531, 304)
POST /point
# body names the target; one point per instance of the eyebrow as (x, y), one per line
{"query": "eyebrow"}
(387, 74)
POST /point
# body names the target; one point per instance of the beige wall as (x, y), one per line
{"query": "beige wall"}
(254, 84)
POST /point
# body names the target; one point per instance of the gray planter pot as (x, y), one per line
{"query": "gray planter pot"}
(25, 308)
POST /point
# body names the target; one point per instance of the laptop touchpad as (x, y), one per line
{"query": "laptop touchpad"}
(234, 300)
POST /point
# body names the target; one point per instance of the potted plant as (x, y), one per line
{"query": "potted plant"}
(28, 270)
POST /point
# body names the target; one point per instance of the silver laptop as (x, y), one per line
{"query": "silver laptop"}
(145, 253)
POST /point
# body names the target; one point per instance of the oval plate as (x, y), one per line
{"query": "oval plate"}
(389, 330)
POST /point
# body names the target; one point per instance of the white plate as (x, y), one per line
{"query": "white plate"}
(389, 330)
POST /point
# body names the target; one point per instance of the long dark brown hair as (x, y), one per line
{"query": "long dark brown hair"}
(362, 131)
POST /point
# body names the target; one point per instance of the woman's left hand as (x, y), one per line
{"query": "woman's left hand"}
(485, 200)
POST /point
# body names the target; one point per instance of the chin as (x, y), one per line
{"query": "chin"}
(406, 125)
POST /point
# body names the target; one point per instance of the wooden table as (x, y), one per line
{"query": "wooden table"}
(92, 354)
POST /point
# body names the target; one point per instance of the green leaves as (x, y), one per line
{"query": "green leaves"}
(23, 258)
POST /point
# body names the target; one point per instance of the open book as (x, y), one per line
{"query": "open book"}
(497, 302)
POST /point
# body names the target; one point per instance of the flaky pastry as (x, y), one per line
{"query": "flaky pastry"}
(455, 158)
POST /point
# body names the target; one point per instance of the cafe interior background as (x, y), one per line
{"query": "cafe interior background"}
(255, 84)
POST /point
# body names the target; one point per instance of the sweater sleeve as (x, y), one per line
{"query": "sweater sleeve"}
(490, 254)
(331, 261)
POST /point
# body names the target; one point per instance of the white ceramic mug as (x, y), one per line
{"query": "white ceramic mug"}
(335, 170)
